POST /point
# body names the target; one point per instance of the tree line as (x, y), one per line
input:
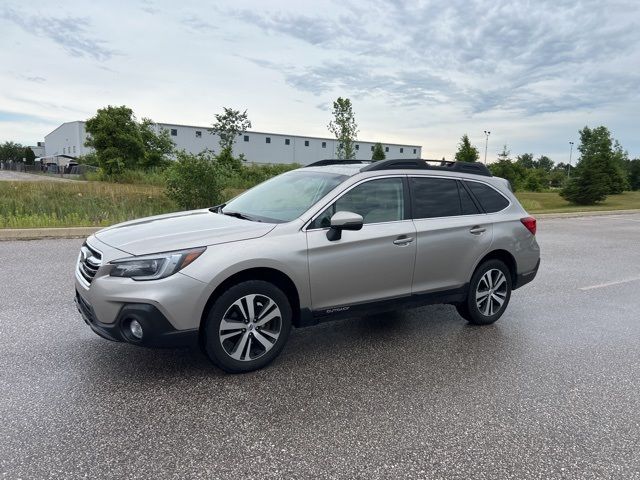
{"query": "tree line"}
(15, 152)
(123, 144)
(602, 168)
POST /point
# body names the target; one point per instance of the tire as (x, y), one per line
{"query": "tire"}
(237, 341)
(476, 309)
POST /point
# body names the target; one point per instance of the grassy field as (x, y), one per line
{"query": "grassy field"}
(58, 204)
(552, 202)
(67, 204)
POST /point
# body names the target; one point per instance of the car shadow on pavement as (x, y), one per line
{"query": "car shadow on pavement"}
(419, 337)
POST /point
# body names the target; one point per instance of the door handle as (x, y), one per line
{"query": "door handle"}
(477, 230)
(403, 240)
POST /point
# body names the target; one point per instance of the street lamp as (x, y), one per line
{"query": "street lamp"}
(486, 145)
(570, 153)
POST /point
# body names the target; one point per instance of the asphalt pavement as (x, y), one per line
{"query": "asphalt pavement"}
(550, 391)
(12, 176)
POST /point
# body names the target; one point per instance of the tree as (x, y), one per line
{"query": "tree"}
(526, 160)
(634, 174)
(466, 152)
(29, 156)
(544, 163)
(226, 159)
(513, 172)
(344, 127)
(378, 153)
(599, 171)
(157, 146)
(196, 181)
(618, 168)
(588, 188)
(597, 153)
(115, 136)
(229, 125)
(11, 152)
(536, 180)
(557, 177)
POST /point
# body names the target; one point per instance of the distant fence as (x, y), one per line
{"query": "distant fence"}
(69, 170)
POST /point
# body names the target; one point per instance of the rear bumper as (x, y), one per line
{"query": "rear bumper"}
(524, 278)
(157, 330)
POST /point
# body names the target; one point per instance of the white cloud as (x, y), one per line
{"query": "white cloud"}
(418, 72)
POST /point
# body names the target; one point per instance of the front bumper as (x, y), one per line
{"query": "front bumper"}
(157, 330)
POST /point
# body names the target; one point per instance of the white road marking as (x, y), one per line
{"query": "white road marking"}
(610, 284)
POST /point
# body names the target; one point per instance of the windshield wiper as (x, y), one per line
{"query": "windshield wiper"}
(239, 215)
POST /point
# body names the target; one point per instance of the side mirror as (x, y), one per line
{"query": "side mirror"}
(343, 221)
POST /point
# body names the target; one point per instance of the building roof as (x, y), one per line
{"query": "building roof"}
(283, 135)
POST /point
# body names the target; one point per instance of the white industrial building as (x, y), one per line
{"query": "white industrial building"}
(257, 147)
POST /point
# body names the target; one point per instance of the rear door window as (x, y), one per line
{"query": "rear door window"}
(489, 198)
(435, 197)
(466, 202)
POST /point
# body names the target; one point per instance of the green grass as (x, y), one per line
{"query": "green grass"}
(552, 202)
(155, 177)
(70, 204)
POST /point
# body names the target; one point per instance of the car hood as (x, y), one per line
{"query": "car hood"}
(175, 231)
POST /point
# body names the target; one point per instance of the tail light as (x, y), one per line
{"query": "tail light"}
(530, 224)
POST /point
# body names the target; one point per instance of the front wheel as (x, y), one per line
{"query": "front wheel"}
(247, 326)
(489, 294)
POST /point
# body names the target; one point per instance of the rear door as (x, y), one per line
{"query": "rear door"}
(452, 233)
(370, 264)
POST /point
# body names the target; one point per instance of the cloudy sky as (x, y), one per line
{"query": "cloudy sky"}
(419, 72)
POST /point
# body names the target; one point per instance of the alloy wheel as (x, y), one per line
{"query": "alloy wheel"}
(250, 327)
(491, 292)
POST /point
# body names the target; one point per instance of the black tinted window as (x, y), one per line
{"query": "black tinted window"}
(435, 197)
(377, 201)
(466, 202)
(490, 200)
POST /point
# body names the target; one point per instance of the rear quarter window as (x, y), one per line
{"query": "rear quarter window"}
(489, 198)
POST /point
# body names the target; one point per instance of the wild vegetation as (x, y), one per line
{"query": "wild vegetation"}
(602, 169)
(15, 152)
(140, 173)
(64, 204)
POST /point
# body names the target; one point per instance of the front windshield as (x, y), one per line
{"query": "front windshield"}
(285, 197)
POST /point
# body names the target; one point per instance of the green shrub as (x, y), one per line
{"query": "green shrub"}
(154, 176)
(536, 180)
(197, 181)
(589, 188)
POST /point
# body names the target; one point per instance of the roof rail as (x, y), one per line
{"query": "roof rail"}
(322, 163)
(420, 164)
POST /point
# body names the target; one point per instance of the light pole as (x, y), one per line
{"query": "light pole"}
(486, 145)
(570, 153)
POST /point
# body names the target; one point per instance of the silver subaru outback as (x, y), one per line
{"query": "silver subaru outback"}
(332, 239)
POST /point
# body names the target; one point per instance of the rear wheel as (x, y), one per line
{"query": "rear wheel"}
(247, 326)
(489, 294)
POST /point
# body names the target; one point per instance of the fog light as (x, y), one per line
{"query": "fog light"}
(136, 329)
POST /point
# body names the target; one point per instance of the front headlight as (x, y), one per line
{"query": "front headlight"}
(156, 266)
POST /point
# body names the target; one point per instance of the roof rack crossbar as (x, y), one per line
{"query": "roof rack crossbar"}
(420, 164)
(322, 163)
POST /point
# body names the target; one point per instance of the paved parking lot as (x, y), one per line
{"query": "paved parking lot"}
(11, 176)
(550, 391)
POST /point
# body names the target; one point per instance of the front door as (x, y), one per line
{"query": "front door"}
(370, 264)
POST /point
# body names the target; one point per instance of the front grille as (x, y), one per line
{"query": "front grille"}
(85, 308)
(89, 262)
